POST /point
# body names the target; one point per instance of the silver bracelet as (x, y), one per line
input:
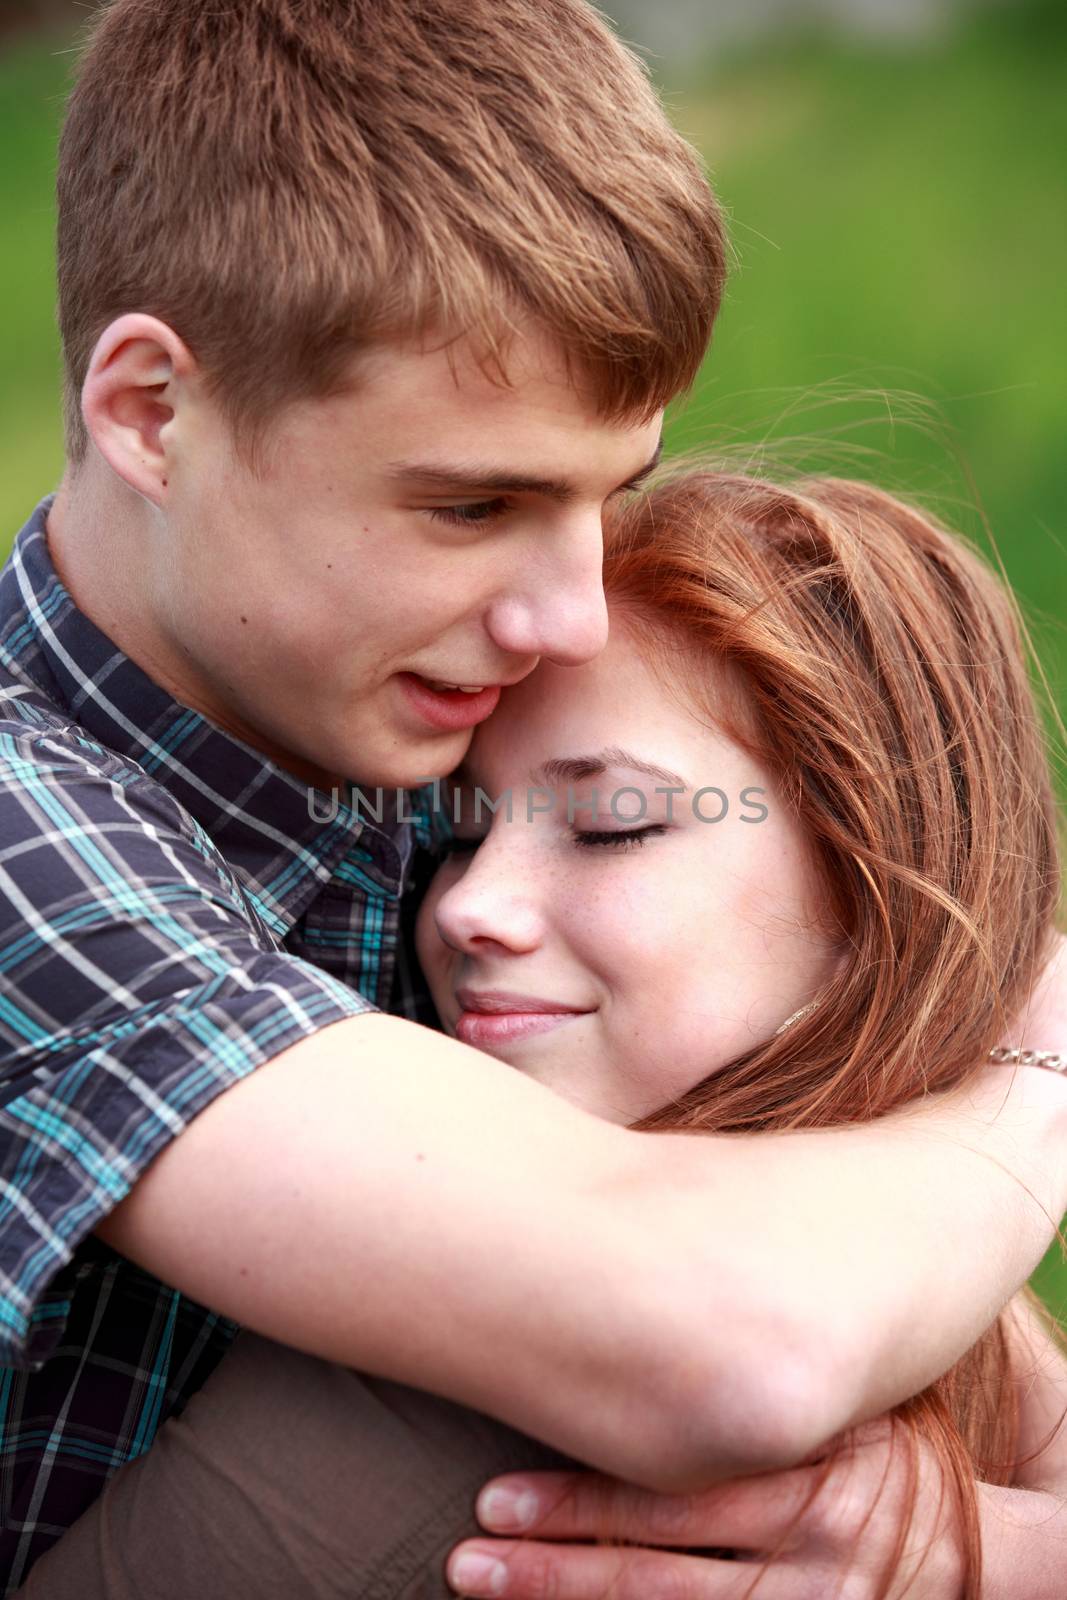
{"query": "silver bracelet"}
(1052, 1059)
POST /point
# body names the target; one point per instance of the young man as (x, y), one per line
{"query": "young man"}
(367, 309)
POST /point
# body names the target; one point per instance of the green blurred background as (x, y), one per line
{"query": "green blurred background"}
(894, 171)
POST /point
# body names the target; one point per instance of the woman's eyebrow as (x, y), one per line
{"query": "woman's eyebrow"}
(574, 769)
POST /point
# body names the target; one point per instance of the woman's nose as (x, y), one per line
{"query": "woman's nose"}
(490, 904)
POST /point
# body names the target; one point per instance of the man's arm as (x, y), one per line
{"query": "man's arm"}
(673, 1309)
(1024, 1543)
(827, 1529)
(1024, 1528)
(1041, 1376)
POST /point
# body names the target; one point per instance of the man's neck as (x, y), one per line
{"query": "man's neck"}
(93, 548)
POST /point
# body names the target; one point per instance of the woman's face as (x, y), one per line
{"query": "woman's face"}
(619, 947)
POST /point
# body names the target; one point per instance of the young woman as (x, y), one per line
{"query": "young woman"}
(800, 863)
(783, 857)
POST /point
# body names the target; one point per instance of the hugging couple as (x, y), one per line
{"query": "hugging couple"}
(640, 1187)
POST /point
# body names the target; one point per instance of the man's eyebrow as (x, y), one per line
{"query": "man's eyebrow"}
(470, 478)
(574, 769)
(649, 467)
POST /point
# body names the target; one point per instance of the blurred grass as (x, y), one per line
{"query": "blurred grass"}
(33, 80)
(900, 225)
(897, 310)
(1050, 1282)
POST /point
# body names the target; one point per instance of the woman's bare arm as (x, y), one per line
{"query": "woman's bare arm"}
(672, 1309)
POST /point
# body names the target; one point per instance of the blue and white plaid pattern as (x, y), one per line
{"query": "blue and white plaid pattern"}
(171, 917)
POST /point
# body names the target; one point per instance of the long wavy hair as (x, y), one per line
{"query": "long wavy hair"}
(887, 691)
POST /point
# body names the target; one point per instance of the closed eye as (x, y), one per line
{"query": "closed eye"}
(620, 838)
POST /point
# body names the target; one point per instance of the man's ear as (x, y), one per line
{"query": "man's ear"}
(131, 392)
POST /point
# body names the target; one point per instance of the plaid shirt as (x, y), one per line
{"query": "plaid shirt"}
(171, 916)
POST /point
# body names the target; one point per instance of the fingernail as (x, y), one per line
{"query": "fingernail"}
(506, 1510)
(477, 1575)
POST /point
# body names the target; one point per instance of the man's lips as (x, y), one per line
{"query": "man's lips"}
(494, 1017)
(448, 710)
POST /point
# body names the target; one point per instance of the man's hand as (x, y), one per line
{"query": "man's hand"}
(834, 1530)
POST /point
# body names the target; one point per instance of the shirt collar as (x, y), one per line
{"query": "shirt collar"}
(281, 838)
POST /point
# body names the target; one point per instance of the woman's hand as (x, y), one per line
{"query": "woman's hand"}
(827, 1531)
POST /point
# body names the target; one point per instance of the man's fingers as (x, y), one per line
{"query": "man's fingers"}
(507, 1569)
(812, 1522)
(746, 1514)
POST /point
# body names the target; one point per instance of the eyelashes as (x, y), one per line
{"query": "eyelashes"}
(477, 512)
(619, 839)
(470, 516)
(615, 839)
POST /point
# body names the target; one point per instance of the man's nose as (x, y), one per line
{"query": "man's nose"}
(556, 608)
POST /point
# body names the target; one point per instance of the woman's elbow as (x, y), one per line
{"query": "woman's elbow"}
(734, 1407)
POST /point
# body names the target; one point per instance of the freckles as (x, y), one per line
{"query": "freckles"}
(647, 908)
(597, 901)
(771, 894)
(586, 916)
(581, 918)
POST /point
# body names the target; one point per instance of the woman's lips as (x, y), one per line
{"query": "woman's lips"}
(449, 710)
(496, 1019)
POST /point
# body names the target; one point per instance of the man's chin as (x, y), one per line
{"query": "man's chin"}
(415, 765)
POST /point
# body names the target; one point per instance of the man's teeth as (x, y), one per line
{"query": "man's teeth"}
(464, 688)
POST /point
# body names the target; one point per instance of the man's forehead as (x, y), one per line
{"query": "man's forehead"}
(527, 369)
(405, 411)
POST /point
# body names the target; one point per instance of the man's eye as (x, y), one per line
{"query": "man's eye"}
(473, 512)
(619, 839)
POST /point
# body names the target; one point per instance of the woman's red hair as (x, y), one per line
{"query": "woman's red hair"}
(885, 686)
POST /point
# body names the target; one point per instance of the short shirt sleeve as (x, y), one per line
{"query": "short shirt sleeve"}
(137, 983)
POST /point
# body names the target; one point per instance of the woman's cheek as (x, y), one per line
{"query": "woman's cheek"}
(631, 933)
(432, 952)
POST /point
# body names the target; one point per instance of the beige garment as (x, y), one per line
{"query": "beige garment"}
(288, 1478)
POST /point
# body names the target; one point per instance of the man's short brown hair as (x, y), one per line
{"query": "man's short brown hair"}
(283, 181)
